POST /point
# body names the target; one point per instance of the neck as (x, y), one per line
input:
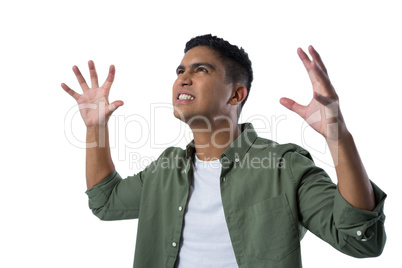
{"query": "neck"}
(211, 140)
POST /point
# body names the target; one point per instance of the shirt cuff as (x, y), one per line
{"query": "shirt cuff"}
(356, 222)
(99, 194)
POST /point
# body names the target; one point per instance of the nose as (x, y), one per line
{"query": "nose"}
(184, 79)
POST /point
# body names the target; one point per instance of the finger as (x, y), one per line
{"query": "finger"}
(305, 59)
(80, 78)
(114, 105)
(293, 106)
(93, 74)
(308, 64)
(322, 85)
(317, 58)
(71, 92)
(109, 80)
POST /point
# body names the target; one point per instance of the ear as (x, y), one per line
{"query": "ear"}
(238, 95)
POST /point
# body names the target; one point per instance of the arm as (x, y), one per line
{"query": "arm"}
(99, 163)
(95, 111)
(324, 212)
(353, 182)
(324, 116)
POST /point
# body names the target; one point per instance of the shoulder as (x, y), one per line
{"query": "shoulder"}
(281, 150)
(293, 160)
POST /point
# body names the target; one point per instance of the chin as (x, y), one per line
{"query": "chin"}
(179, 114)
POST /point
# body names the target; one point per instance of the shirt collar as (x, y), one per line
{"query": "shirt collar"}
(238, 148)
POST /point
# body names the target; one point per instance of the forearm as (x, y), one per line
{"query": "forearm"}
(99, 162)
(353, 182)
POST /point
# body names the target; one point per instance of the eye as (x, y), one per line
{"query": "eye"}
(180, 71)
(201, 69)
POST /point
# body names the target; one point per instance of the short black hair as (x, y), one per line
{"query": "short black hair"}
(236, 60)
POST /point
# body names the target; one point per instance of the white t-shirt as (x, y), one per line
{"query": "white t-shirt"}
(205, 241)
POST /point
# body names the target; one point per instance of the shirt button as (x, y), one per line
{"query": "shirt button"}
(359, 233)
(237, 159)
(174, 244)
(180, 208)
(224, 179)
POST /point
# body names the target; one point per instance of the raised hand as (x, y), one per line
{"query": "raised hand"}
(94, 103)
(322, 113)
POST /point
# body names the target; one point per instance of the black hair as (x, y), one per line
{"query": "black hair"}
(236, 60)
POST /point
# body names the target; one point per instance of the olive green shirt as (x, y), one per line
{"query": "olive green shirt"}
(270, 193)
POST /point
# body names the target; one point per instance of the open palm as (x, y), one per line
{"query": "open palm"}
(322, 113)
(94, 103)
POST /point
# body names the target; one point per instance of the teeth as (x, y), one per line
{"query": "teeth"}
(185, 97)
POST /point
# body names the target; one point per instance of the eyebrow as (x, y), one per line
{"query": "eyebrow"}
(195, 65)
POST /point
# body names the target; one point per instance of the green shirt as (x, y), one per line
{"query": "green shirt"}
(271, 194)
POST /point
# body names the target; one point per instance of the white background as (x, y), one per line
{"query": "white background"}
(45, 220)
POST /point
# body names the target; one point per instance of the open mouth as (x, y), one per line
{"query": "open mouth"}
(185, 97)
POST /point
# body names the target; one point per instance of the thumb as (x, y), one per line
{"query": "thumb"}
(114, 105)
(293, 106)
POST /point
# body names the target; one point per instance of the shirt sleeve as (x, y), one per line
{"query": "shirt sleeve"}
(363, 229)
(323, 211)
(116, 199)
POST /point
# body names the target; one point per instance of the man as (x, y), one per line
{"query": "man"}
(233, 199)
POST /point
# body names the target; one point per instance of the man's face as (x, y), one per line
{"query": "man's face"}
(200, 90)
